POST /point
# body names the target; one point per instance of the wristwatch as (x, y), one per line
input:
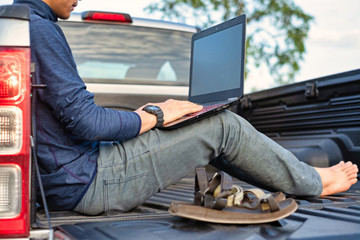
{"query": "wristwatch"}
(157, 112)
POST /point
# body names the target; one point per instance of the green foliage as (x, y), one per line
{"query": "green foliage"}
(276, 29)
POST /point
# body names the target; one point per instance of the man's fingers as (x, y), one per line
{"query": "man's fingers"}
(175, 109)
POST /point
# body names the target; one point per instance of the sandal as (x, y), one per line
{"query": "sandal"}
(219, 201)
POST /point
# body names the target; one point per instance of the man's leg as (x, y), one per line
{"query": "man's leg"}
(132, 171)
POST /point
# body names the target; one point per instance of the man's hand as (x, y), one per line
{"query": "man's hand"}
(172, 109)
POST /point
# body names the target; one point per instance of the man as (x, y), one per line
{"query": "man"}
(95, 159)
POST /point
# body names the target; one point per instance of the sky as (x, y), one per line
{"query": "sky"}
(333, 44)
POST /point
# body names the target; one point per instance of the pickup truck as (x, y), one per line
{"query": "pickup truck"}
(318, 120)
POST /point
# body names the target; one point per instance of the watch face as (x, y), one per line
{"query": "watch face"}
(153, 108)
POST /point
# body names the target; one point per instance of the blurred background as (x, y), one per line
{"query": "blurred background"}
(332, 44)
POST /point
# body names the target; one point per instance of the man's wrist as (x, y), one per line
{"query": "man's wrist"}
(156, 111)
(148, 121)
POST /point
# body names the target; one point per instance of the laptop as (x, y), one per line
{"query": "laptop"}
(216, 70)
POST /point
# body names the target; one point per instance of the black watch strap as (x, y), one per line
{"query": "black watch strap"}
(157, 112)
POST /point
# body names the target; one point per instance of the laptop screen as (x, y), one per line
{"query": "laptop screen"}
(217, 62)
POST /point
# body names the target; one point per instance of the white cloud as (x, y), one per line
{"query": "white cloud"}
(344, 39)
(4, 2)
(333, 45)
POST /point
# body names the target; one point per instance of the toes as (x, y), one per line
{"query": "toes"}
(352, 169)
(339, 165)
(352, 175)
(355, 170)
(350, 165)
(353, 181)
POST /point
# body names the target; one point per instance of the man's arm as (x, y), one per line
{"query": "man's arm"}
(172, 109)
(66, 97)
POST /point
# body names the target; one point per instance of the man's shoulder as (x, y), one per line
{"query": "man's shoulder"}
(42, 28)
(38, 21)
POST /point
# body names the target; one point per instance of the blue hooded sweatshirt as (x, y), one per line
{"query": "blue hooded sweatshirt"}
(69, 123)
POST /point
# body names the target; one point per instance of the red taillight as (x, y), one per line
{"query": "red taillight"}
(14, 141)
(11, 74)
(107, 16)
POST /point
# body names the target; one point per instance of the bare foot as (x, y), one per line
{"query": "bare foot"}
(338, 178)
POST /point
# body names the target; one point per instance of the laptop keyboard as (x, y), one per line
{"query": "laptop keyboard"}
(205, 109)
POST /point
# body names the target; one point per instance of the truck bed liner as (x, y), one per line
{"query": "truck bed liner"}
(332, 217)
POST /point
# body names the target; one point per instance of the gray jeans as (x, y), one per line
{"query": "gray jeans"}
(130, 172)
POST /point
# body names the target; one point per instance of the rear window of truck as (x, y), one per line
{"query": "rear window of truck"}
(115, 53)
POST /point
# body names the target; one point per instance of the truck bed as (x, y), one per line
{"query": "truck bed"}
(318, 120)
(333, 217)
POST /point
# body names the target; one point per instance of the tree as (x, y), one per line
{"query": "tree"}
(276, 29)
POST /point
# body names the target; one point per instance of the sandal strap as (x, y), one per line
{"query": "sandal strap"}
(201, 184)
(219, 193)
(221, 179)
(270, 203)
(220, 187)
(235, 199)
(257, 192)
(201, 180)
(263, 200)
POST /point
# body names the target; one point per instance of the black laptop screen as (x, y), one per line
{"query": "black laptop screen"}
(217, 62)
